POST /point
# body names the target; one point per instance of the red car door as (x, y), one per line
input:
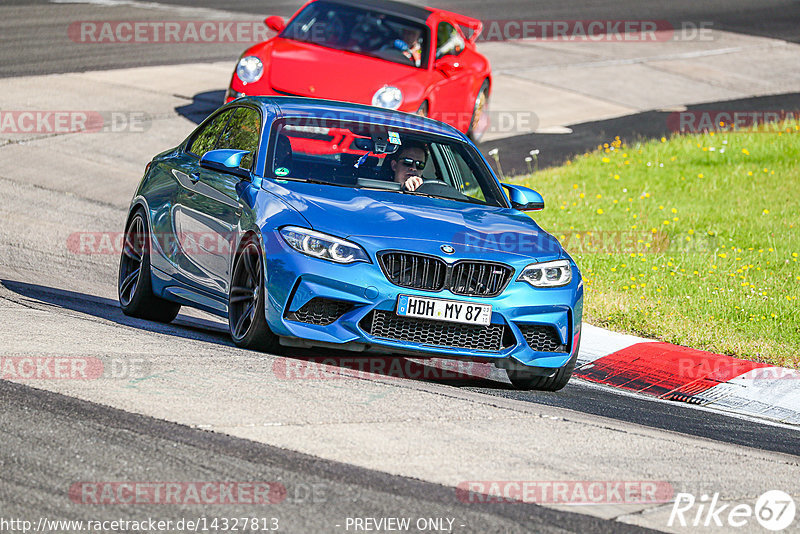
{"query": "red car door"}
(451, 98)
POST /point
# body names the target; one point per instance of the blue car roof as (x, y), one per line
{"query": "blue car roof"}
(290, 106)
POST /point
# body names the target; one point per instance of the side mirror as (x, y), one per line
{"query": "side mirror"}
(448, 65)
(226, 161)
(275, 23)
(523, 198)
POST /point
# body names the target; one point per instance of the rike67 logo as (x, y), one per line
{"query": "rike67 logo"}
(774, 510)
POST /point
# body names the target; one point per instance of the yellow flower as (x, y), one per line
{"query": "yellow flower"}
(765, 212)
(700, 175)
(599, 196)
(574, 186)
(616, 176)
(745, 152)
(606, 160)
(599, 211)
(691, 232)
(749, 173)
(674, 210)
(723, 255)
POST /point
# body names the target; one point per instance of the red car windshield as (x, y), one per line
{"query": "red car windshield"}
(361, 31)
(373, 156)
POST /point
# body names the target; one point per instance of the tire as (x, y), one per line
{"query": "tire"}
(246, 296)
(134, 284)
(480, 107)
(523, 380)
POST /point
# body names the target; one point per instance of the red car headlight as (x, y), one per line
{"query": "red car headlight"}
(250, 69)
(388, 97)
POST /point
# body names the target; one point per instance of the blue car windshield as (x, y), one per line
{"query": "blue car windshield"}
(361, 31)
(373, 156)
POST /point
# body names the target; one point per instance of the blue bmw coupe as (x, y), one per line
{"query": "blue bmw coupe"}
(312, 223)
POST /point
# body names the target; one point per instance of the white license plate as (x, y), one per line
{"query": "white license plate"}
(455, 311)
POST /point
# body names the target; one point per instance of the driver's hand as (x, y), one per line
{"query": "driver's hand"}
(413, 183)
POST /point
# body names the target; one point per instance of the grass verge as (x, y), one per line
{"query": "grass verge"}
(692, 240)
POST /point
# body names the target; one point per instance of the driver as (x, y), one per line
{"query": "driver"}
(410, 45)
(408, 163)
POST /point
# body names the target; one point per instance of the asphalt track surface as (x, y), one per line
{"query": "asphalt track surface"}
(51, 440)
(579, 395)
(35, 37)
(38, 426)
(35, 41)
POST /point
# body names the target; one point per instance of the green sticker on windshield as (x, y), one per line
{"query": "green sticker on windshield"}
(281, 171)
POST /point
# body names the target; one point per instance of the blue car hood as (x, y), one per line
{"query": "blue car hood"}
(386, 219)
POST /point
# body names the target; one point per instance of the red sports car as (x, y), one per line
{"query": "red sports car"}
(380, 52)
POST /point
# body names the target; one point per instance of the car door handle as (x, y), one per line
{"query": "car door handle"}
(194, 177)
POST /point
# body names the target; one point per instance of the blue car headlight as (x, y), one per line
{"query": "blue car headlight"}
(548, 274)
(323, 246)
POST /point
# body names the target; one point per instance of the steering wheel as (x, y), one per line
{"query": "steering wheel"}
(439, 189)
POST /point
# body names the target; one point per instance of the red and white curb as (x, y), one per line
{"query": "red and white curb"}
(676, 373)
